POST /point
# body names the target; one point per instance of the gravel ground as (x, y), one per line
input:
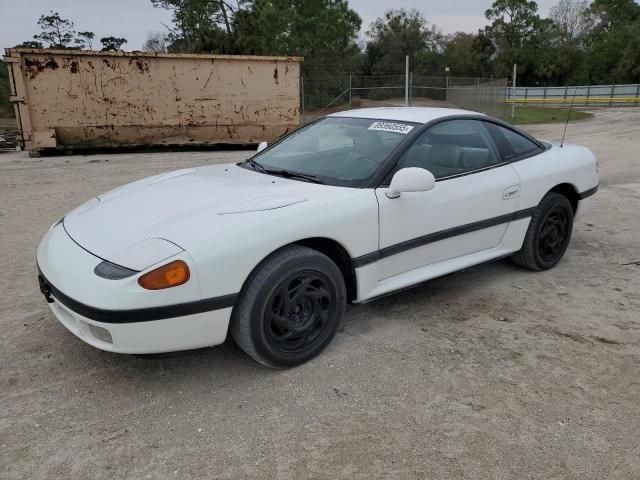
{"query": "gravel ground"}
(494, 372)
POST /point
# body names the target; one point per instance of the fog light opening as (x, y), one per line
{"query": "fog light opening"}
(101, 333)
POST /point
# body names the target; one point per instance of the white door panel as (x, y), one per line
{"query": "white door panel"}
(416, 218)
(438, 251)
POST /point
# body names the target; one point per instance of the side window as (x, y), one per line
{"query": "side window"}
(451, 148)
(512, 144)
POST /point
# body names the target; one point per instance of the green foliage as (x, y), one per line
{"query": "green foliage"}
(613, 45)
(323, 31)
(581, 42)
(84, 40)
(6, 109)
(30, 44)
(56, 32)
(198, 26)
(460, 56)
(112, 44)
(519, 35)
(398, 34)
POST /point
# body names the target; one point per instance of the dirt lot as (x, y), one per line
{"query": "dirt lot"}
(494, 372)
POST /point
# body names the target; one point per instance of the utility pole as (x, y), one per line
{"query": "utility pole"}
(406, 81)
(513, 92)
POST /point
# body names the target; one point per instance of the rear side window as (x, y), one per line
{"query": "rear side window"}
(451, 148)
(512, 144)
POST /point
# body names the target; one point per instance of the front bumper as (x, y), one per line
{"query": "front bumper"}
(118, 315)
(157, 336)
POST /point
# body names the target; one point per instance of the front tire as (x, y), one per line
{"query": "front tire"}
(548, 234)
(290, 307)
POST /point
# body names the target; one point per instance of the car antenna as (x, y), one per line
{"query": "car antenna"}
(564, 134)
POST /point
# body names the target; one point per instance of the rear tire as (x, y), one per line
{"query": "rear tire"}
(548, 235)
(289, 308)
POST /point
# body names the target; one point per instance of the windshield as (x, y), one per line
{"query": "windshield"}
(340, 151)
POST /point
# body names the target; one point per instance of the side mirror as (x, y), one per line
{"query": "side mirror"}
(262, 146)
(411, 179)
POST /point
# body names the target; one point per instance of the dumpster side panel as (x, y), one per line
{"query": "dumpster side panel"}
(87, 100)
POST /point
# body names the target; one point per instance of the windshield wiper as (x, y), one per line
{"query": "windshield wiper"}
(256, 166)
(288, 174)
(283, 173)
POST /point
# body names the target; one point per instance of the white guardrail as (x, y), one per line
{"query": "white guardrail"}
(602, 95)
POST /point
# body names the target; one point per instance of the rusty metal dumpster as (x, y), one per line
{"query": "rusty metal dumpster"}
(70, 99)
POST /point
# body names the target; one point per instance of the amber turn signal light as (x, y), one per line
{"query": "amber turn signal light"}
(169, 275)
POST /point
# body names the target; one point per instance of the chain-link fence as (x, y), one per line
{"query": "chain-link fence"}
(480, 95)
(322, 95)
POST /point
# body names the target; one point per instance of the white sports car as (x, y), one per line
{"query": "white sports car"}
(353, 206)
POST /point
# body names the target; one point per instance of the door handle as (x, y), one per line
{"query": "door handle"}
(511, 192)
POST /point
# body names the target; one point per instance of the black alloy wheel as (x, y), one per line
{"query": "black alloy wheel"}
(554, 234)
(548, 234)
(290, 307)
(298, 311)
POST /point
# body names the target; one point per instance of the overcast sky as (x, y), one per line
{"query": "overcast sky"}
(134, 19)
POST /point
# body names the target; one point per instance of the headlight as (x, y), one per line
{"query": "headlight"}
(170, 275)
(111, 271)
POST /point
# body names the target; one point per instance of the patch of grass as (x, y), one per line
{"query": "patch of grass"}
(532, 115)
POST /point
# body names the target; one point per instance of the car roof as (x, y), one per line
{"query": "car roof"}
(403, 114)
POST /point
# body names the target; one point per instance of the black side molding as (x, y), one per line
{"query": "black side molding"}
(136, 315)
(441, 235)
(588, 193)
(451, 232)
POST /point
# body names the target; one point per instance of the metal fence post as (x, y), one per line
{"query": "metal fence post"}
(446, 92)
(637, 93)
(410, 87)
(302, 98)
(613, 89)
(588, 94)
(513, 92)
(350, 91)
(406, 80)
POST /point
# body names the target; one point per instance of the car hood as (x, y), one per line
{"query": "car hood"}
(183, 208)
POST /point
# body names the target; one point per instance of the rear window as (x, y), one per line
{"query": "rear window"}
(512, 144)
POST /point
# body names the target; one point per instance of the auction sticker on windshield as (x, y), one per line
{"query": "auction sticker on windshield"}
(391, 127)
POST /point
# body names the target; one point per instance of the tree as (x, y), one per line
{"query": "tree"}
(323, 31)
(610, 14)
(518, 35)
(156, 42)
(572, 19)
(400, 33)
(194, 22)
(85, 40)
(613, 49)
(484, 53)
(56, 32)
(6, 109)
(112, 43)
(30, 44)
(628, 67)
(459, 55)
